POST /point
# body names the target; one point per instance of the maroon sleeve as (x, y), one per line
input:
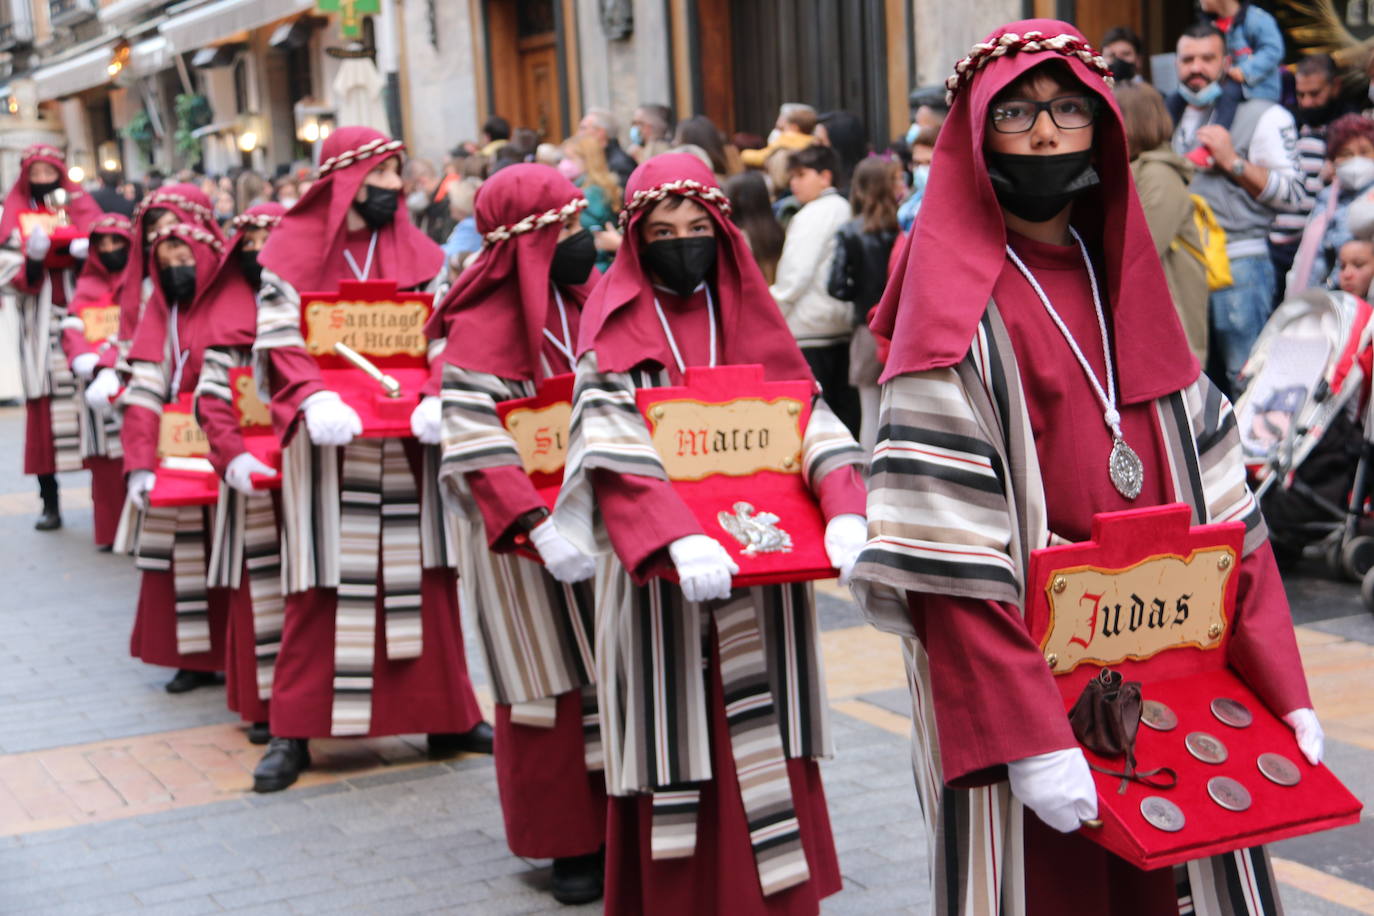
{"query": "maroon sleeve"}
(220, 422)
(139, 438)
(994, 697)
(435, 382)
(109, 358)
(74, 343)
(643, 515)
(1263, 648)
(842, 492)
(295, 377)
(503, 494)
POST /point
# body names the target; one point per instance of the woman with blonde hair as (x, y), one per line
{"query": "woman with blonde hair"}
(589, 171)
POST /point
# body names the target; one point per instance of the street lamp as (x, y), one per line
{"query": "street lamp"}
(248, 135)
(314, 121)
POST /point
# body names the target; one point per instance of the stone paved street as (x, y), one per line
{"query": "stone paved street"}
(116, 797)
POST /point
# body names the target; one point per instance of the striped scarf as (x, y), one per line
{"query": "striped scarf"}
(536, 632)
(956, 505)
(246, 536)
(44, 371)
(652, 649)
(172, 539)
(99, 431)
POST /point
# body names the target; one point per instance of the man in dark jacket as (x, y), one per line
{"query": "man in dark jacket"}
(601, 123)
(107, 196)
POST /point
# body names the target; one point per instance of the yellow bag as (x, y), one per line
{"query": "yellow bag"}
(1212, 254)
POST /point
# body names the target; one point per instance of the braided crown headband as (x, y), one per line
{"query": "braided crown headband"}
(255, 220)
(534, 221)
(185, 203)
(1031, 42)
(44, 150)
(112, 221)
(683, 187)
(378, 146)
(186, 232)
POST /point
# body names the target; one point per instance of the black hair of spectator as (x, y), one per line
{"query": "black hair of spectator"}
(111, 178)
(1204, 29)
(816, 156)
(1127, 34)
(525, 139)
(1318, 64)
(510, 154)
(701, 131)
(902, 150)
(932, 97)
(496, 128)
(848, 140)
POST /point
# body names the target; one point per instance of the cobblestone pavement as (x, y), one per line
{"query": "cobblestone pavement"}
(116, 797)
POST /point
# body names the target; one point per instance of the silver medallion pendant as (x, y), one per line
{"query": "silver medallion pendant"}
(1127, 473)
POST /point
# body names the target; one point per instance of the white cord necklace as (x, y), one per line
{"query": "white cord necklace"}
(1123, 465)
(672, 341)
(179, 356)
(361, 275)
(564, 346)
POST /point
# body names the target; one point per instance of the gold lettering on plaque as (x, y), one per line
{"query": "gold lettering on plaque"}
(371, 328)
(737, 439)
(541, 436)
(100, 323)
(252, 410)
(1106, 616)
(180, 436)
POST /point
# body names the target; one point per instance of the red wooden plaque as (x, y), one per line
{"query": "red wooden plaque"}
(732, 445)
(59, 255)
(1154, 598)
(387, 327)
(255, 424)
(184, 474)
(539, 426)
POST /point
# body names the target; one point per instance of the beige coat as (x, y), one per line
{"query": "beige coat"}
(1161, 179)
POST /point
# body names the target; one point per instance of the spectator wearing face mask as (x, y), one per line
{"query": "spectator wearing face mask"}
(428, 210)
(1350, 145)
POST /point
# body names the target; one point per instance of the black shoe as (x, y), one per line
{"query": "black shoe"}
(105, 548)
(281, 765)
(476, 740)
(50, 520)
(185, 681)
(578, 879)
(259, 733)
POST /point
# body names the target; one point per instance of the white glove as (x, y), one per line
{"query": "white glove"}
(102, 388)
(1057, 786)
(83, 364)
(141, 483)
(1308, 731)
(239, 473)
(80, 247)
(703, 567)
(561, 558)
(329, 420)
(427, 421)
(845, 536)
(38, 245)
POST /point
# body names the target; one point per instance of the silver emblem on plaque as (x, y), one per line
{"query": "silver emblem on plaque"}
(1127, 473)
(758, 533)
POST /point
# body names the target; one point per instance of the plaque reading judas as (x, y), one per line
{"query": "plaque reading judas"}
(179, 435)
(731, 443)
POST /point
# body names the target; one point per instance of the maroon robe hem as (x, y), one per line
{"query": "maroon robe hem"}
(154, 638)
(107, 497)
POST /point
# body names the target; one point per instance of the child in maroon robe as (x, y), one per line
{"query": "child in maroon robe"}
(1032, 337)
(51, 437)
(245, 555)
(510, 322)
(683, 837)
(383, 654)
(98, 289)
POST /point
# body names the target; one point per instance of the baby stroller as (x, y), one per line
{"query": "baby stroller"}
(1303, 415)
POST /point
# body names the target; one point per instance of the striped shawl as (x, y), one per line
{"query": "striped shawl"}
(44, 370)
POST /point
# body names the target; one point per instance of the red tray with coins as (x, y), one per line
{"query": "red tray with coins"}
(731, 443)
(383, 326)
(185, 476)
(1153, 597)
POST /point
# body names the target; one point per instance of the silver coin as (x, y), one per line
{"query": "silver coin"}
(1158, 716)
(1279, 769)
(1205, 747)
(1232, 712)
(1125, 469)
(1228, 793)
(1162, 813)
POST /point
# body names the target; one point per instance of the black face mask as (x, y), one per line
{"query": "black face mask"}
(681, 264)
(178, 283)
(43, 189)
(252, 270)
(1315, 117)
(1037, 188)
(114, 260)
(573, 259)
(379, 207)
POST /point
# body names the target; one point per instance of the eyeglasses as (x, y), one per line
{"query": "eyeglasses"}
(1068, 112)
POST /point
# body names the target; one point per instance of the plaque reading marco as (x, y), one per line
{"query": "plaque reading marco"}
(731, 443)
(383, 326)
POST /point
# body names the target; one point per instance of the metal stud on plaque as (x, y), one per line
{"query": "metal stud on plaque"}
(1279, 769)
(1206, 748)
(1232, 712)
(1156, 715)
(1162, 813)
(1228, 793)
(1126, 470)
